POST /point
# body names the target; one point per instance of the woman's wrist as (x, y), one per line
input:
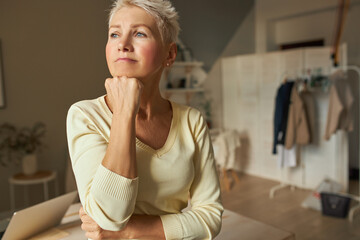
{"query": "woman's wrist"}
(123, 115)
(122, 234)
(120, 156)
(142, 227)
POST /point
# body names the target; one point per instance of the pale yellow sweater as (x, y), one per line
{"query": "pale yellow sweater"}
(183, 167)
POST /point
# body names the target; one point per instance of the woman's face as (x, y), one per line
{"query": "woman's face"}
(134, 47)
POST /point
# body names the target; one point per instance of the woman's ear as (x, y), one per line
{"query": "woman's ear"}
(171, 54)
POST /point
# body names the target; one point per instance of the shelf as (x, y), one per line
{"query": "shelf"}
(187, 91)
(188, 64)
(183, 71)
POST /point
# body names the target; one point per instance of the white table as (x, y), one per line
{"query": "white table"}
(40, 177)
(234, 227)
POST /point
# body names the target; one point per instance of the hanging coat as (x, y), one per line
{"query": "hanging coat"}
(297, 128)
(310, 111)
(340, 111)
(281, 114)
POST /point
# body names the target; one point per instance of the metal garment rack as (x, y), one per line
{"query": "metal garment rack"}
(288, 75)
(354, 209)
(283, 184)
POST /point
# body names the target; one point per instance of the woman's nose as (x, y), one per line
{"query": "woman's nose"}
(125, 44)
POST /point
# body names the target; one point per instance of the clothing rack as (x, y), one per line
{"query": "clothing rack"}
(289, 75)
(284, 184)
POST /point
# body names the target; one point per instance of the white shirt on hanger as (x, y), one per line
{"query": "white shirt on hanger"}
(286, 157)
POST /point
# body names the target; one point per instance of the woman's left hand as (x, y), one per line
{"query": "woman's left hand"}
(94, 231)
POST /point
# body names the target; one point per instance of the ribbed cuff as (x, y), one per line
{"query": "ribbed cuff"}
(172, 226)
(115, 185)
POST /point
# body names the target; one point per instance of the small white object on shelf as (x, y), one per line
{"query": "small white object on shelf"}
(192, 72)
(188, 91)
(184, 78)
(188, 64)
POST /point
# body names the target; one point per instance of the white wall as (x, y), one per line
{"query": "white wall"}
(269, 12)
(276, 22)
(242, 42)
(250, 83)
(315, 24)
(283, 21)
(208, 25)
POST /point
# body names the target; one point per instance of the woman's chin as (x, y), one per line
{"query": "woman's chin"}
(129, 74)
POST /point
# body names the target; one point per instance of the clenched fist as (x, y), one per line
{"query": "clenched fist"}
(124, 94)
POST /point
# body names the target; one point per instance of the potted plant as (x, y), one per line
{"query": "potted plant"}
(23, 144)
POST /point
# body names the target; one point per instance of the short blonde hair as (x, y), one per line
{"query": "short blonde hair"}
(164, 13)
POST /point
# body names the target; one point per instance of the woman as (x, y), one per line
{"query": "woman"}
(136, 156)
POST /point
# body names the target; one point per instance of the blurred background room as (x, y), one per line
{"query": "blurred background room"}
(277, 81)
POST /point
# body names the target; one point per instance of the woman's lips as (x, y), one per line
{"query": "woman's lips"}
(125, 60)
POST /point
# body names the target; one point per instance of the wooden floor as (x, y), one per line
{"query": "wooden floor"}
(250, 197)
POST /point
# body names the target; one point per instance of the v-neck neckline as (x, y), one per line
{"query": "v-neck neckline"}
(169, 140)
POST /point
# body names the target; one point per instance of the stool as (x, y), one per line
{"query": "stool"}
(40, 177)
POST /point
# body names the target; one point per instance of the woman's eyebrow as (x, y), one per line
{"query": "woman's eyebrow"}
(132, 26)
(140, 25)
(114, 26)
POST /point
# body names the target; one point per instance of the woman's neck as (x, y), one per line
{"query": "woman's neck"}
(152, 103)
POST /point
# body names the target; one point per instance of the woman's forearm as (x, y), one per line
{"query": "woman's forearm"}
(138, 227)
(120, 156)
(142, 227)
(123, 97)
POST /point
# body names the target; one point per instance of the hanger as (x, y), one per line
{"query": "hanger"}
(284, 80)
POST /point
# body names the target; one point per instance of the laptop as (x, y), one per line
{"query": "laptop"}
(38, 218)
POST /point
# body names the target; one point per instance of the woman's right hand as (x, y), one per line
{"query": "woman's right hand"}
(124, 94)
(95, 232)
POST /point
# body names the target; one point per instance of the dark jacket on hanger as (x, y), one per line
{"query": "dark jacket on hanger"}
(281, 113)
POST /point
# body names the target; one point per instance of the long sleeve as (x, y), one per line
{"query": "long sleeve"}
(107, 197)
(203, 221)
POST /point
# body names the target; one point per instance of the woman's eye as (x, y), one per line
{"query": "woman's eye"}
(140, 34)
(114, 35)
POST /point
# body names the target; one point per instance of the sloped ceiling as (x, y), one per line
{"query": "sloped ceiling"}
(208, 25)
